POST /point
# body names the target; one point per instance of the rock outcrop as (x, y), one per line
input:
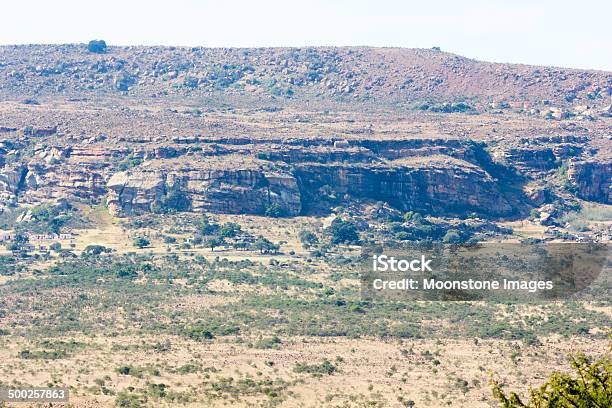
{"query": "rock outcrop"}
(11, 178)
(245, 190)
(439, 185)
(592, 179)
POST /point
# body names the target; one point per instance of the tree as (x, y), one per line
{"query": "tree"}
(414, 217)
(141, 242)
(275, 211)
(199, 333)
(229, 230)
(343, 231)
(214, 242)
(452, 237)
(205, 227)
(591, 387)
(95, 250)
(56, 246)
(264, 245)
(97, 46)
(308, 238)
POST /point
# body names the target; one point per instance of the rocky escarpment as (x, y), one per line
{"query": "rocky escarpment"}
(437, 184)
(246, 175)
(290, 131)
(541, 154)
(593, 180)
(243, 189)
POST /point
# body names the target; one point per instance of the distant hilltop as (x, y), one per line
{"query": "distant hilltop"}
(350, 74)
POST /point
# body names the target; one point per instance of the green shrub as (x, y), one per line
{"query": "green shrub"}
(229, 230)
(199, 333)
(96, 250)
(326, 367)
(141, 242)
(591, 387)
(127, 400)
(268, 343)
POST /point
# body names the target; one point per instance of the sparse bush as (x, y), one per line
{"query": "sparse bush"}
(199, 333)
(268, 343)
(141, 242)
(126, 399)
(190, 82)
(326, 367)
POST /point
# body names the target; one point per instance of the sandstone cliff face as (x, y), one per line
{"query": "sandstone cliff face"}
(542, 154)
(437, 186)
(237, 191)
(439, 176)
(392, 171)
(58, 178)
(593, 180)
(531, 158)
(443, 189)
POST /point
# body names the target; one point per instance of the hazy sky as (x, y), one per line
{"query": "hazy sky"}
(565, 33)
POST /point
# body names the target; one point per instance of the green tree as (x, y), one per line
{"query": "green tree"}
(414, 217)
(274, 210)
(215, 242)
(97, 46)
(343, 231)
(229, 230)
(264, 245)
(590, 388)
(308, 238)
(95, 250)
(205, 227)
(452, 237)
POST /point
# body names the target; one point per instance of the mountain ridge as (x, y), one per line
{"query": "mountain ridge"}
(389, 75)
